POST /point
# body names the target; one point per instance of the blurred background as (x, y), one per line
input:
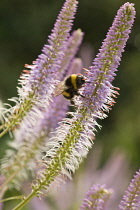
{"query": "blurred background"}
(24, 27)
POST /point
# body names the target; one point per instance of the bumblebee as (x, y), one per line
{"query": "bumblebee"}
(70, 86)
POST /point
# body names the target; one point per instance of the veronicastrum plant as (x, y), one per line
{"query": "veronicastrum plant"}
(73, 137)
(31, 137)
(27, 141)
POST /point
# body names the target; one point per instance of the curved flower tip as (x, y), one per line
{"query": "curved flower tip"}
(131, 198)
(96, 198)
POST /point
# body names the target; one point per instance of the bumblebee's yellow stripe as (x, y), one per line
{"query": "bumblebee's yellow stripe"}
(66, 94)
(73, 80)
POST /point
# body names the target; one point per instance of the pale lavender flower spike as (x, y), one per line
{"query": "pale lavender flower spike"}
(131, 199)
(36, 126)
(31, 136)
(37, 86)
(72, 47)
(96, 198)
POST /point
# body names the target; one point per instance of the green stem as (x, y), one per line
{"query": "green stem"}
(5, 131)
(30, 196)
(12, 198)
(25, 201)
(1, 127)
(16, 118)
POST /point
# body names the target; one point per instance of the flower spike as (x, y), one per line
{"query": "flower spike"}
(30, 141)
(96, 198)
(37, 86)
(131, 199)
(31, 137)
(102, 73)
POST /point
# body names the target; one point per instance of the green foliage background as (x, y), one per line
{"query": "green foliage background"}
(24, 27)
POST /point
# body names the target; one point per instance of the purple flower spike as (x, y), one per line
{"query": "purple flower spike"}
(96, 198)
(46, 68)
(131, 199)
(37, 86)
(101, 74)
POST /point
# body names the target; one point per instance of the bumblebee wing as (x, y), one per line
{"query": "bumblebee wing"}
(60, 88)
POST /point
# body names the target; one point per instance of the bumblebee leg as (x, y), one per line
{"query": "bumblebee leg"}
(82, 96)
(72, 102)
(73, 107)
